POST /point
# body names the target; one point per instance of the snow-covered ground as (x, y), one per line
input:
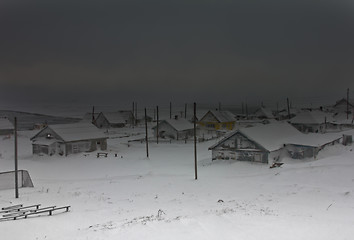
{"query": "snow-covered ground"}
(134, 197)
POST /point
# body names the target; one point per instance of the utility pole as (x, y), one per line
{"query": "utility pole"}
(287, 101)
(146, 136)
(170, 110)
(93, 114)
(133, 123)
(157, 126)
(185, 111)
(16, 160)
(195, 142)
(347, 103)
(136, 113)
(246, 111)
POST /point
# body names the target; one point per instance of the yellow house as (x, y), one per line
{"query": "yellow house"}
(218, 120)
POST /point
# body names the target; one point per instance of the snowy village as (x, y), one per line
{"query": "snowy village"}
(176, 120)
(128, 173)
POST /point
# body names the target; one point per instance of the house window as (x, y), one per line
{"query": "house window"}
(49, 136)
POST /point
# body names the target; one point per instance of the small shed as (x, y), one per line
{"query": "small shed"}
(117, 119)
(65, 139)
(178, 129)
(6, 127)
(308, 145)
(218, 120)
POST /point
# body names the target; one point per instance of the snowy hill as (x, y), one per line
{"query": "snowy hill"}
(132, 197)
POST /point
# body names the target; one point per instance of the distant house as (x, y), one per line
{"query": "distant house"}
(6, 127)
(312, 121)
(114, 119)
(255, 144)
(174, 129)
(65, 139)
(88, 117)
(341, 106)
(218, 120)
(344, 120)
(270, 143)
(263, 113)
(284, 113)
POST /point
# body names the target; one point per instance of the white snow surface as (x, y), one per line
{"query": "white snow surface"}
(134, 197)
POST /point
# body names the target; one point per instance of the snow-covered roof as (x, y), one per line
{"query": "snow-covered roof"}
(284, 112)
(264, 112)
(270, 136)
(341, 118)
(224, 116)
(75, 132)
(180, 124)
(5, 124)
(312, 117)
(344, 101)
(273, 136)
(117, 117)
(313, 139)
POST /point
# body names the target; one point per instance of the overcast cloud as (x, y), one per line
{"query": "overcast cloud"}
(157, 50)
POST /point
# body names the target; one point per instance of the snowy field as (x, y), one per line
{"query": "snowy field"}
(134, 197)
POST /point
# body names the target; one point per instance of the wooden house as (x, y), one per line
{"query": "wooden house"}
(341, 106)
(218, 120)
(256, 144)
(312, 121)
(6, 127)
(65, 139)
(114, 119)
(271, 143)
(264, 113)
(178, 129)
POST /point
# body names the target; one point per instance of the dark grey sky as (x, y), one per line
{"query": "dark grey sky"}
(183, 50)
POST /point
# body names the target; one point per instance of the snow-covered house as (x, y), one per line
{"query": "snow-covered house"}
(218, 120)
(264, 113)
(64, 139)
(284, 113)
(6, 127)
(270, 143)
(114, 119)
(257, 144)
(312, 121)
(343, 120)
(178, 129)
(88, 117)
(308, 145)
(341, 106)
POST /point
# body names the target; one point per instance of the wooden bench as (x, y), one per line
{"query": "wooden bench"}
(50, 211)
(19, 208)
(12, 207)
(24, 214)
(103, 154)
